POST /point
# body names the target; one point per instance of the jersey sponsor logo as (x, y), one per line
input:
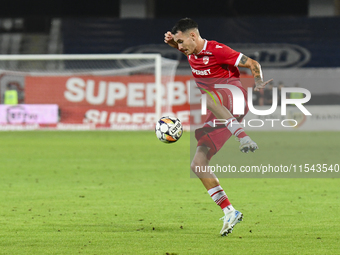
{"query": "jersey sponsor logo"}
(208, 53)
(205, 60)
(201, 72)
(218, 47)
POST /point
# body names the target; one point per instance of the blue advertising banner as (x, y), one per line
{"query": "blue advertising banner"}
(275, 42)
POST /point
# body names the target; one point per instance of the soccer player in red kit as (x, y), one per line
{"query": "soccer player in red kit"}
(215, 63)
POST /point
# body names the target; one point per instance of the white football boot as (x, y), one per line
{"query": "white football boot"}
(247, 145)
(230, 219)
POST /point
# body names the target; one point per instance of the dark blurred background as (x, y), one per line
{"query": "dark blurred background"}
(162, 8)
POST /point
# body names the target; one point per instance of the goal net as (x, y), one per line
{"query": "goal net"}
(109, 91)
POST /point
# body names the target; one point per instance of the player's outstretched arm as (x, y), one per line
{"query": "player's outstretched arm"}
(256, 70)
(169, 39)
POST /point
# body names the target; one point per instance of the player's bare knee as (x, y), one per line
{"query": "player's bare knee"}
(198, 163)
(194, 165)
(198, 169)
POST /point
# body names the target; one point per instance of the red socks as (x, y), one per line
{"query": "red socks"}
(219, 196)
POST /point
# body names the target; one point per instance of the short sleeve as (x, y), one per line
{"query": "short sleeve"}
(226, 55)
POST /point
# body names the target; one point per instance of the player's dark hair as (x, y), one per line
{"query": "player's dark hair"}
(183, 25)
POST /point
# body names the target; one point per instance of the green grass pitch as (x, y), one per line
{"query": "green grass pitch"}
(127, 193)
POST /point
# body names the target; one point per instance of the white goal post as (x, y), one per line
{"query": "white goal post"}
(114, 64)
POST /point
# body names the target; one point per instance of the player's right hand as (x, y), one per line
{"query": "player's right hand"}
(169, 39)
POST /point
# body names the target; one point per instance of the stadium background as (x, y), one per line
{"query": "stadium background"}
(123, 192)
(295, 42)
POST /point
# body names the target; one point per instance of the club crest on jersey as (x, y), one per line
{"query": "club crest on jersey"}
(205, 60)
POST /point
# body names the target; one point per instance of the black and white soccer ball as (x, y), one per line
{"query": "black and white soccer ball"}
(169, 129)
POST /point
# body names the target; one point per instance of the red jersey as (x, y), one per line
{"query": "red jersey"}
(214, 62)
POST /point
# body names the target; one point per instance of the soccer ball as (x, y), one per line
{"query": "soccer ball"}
(169, 129)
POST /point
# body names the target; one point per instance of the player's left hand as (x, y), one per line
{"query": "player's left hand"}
(261, 84)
